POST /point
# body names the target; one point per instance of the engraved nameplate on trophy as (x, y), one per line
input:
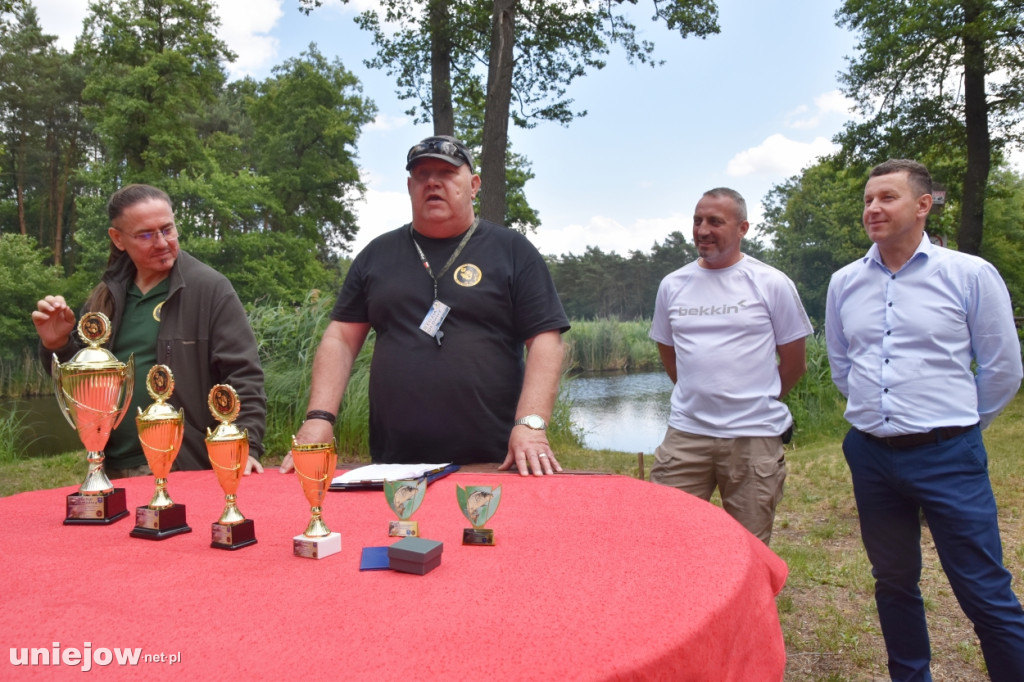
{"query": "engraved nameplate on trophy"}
(478, 504)
(161, 428)
(94, 391)
(228, 449)
(314, 466)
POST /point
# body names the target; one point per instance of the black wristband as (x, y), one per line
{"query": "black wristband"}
(321, 414)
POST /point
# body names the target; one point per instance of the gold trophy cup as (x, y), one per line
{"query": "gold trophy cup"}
(161, 428)
(314, 466)
(94, 391)
(228, 449)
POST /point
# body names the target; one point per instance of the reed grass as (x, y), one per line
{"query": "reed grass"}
(22, 375)
(610, 345)
(816, 404)
(12, 437)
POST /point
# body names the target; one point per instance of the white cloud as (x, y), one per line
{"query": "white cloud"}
(388, 122)
(62, 18)
(381, 212)
(609, 235)
(827, 104)
(778, 156)
(245, 26)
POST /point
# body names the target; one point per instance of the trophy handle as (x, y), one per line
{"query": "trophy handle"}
(128, 389)
(59, 391)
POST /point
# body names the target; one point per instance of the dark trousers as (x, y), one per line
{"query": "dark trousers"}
(949, 482)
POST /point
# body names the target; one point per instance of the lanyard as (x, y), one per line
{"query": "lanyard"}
(458, 250)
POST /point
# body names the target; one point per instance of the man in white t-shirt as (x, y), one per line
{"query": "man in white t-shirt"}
(720, 323)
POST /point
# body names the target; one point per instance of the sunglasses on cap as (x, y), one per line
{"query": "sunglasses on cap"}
(440, 147)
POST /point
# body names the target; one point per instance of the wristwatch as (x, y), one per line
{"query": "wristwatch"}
(532, 421)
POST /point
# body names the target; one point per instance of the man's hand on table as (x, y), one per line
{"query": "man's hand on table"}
(529, 450)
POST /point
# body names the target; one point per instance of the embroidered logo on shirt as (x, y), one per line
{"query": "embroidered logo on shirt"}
(468, 275)
(156, 311)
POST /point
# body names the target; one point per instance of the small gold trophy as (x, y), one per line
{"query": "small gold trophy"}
(404, 498)
(228, 449)
(478, 504)
(94, 391)
(314, 465)
(161, 428)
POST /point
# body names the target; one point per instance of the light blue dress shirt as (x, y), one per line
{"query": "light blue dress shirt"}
(901, 345)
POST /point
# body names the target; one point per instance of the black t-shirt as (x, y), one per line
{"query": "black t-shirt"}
(454, 402)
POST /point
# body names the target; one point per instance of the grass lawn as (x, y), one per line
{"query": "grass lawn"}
(827, 607)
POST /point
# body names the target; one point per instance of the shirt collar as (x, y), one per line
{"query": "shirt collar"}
(924, 249)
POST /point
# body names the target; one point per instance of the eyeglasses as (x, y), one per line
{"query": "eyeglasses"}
(170, 233)
(439, 145)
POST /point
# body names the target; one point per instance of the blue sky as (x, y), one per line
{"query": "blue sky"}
(747, 108)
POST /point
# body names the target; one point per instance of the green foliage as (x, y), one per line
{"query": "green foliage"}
(24, 279)
(937, 79)
(12, 439)
(814, 223)
(306, 119)
(1003, 243)
(607, 285)
(42, 134)
(288, 338)
(816, 404)
(268, 267)
(604, 344)
(156, 63)
(440, 51)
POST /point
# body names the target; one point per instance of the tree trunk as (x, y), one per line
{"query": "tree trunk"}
(20, 193)
(496, 112)
(979, 152)
(440, 68)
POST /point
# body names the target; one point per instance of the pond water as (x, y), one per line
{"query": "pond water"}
(625, 412)
(45, 430)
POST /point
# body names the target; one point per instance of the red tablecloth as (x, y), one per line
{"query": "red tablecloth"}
(591, 578)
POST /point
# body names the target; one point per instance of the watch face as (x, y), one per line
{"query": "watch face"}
(534, 422)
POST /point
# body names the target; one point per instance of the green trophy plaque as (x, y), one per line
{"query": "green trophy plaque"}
(404, 497)
(478, 504)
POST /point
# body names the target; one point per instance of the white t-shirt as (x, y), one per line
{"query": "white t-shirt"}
(725, 325)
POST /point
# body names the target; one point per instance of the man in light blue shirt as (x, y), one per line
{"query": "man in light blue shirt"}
(903, 326)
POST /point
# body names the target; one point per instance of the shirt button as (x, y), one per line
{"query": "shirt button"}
(887, 361)
(885, 390)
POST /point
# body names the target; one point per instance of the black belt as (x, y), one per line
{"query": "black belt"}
(913, 440)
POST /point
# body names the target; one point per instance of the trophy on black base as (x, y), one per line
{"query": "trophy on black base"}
(478, 504)
(94, 391)
(404, 497)
(314, 466)
(161, 428)
(228, 449)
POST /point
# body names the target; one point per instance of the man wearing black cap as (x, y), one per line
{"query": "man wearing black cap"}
(453, 301)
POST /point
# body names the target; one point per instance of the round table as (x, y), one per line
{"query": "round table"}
(592, 577)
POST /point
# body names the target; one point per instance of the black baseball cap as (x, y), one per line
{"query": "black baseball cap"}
(444, 147)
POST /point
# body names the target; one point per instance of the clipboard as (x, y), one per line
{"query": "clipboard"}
(374, 482)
